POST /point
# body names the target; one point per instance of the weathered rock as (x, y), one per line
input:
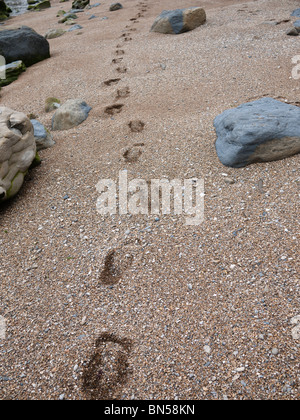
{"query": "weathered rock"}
(54, 33)
(179, 21)
(43, 138)
(80, 4)
(71, 114)
(40, 5)
(23, 44)
(259, 131)
(11, 72)
(115, 6)
(51, 104)
(60, 13)
(17, 151)
(67, 16)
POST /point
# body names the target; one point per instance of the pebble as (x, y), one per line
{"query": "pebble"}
(275, 351)
(207, 349)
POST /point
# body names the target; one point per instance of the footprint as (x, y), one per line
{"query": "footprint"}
(117, 60)
(113, 109)
(122, 69)
(123, 93)
(108, 369)
(111, 82)
(116, 262)
(136, 126)
(132, 154)
(120, 52)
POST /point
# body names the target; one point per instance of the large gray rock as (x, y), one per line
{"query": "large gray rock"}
(42, 137)
(259, 131)
(17, 151)
(23, 44)
(71, 114)
(179, 21)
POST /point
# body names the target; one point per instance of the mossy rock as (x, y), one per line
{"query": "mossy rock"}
(37, 161)
(51, 104)
(5, 11)
(40, 6)
(61, 13)
(12, 72)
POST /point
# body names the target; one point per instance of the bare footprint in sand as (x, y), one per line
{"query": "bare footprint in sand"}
(123, 93)
(136, 126)
(111, 82)
(117, 60)
(108, 369)
(122, 69)
(132, 154)
(116, 262)
(113, 109)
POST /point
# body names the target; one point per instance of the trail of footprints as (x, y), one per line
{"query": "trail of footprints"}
(108, 369)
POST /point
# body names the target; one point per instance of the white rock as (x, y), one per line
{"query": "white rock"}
(17, 151)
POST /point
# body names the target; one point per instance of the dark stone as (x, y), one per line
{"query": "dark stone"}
(259, 131)
(293, 32)
(23, 44)
(115, 6)
(4, 10)
(80, 4)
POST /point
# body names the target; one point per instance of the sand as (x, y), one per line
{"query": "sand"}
(145, 307)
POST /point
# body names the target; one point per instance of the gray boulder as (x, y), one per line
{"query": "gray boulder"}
(43, 138)
(179, 21)
(23, 44)
(71, 114)
(259, 131)
(17, 151)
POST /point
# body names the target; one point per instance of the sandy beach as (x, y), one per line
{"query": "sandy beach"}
(159, 309)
